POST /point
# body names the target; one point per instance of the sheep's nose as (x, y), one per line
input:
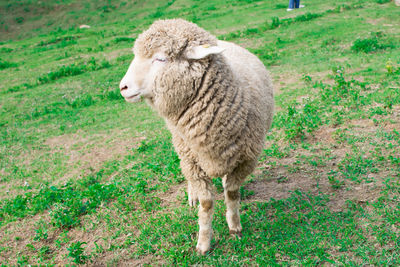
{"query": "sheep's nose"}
(124, 87)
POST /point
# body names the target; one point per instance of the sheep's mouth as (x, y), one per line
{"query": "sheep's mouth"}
(132, 96)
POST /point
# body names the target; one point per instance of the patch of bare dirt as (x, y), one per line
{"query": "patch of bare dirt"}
(15, 188)
(278, 178)
(17, 236)
(173, 195)
(324, 135)
(117, 53)
(251, 43)
(97, 239)
(285, 79)
(88, 153)
(97, 234)
(142, 261)
(291, 79)
(342, 59)
(374, 21)
(392, 126)
(279, 184)
(363, 125)
(85, 154)
(217, 32)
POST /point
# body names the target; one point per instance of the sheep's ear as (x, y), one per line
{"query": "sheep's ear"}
(203, 51)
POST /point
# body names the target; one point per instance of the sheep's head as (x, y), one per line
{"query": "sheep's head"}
(169, 54)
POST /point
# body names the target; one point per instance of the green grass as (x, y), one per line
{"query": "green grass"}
(87, 178)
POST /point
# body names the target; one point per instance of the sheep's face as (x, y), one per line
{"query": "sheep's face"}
(139, 79)
(144, 72)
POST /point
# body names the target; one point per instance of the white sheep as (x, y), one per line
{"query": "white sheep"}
(217, 101)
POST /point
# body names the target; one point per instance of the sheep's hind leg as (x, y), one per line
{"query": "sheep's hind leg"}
(232, 201)
(192, 195)
(232, 183)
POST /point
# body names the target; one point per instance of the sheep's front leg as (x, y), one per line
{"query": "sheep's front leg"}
(232, 201)
(189, 168)
(200, 188)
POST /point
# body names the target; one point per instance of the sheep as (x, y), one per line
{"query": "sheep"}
(217, 101)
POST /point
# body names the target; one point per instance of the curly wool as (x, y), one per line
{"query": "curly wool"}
(217, 119)
(172, 37)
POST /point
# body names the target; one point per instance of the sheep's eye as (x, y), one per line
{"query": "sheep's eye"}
(161, 59)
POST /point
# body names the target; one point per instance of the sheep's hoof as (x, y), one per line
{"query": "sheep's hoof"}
(201, 251)
(236, 233)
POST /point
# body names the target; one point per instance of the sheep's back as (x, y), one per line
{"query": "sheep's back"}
(247, 68)
(251, 74)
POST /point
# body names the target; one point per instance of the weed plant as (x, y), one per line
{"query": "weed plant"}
(6, 64)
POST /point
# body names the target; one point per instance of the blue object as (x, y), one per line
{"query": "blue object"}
(294, 4)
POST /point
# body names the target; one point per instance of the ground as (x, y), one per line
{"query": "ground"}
(88, 178)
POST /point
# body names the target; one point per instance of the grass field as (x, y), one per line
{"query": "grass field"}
(87, 178)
